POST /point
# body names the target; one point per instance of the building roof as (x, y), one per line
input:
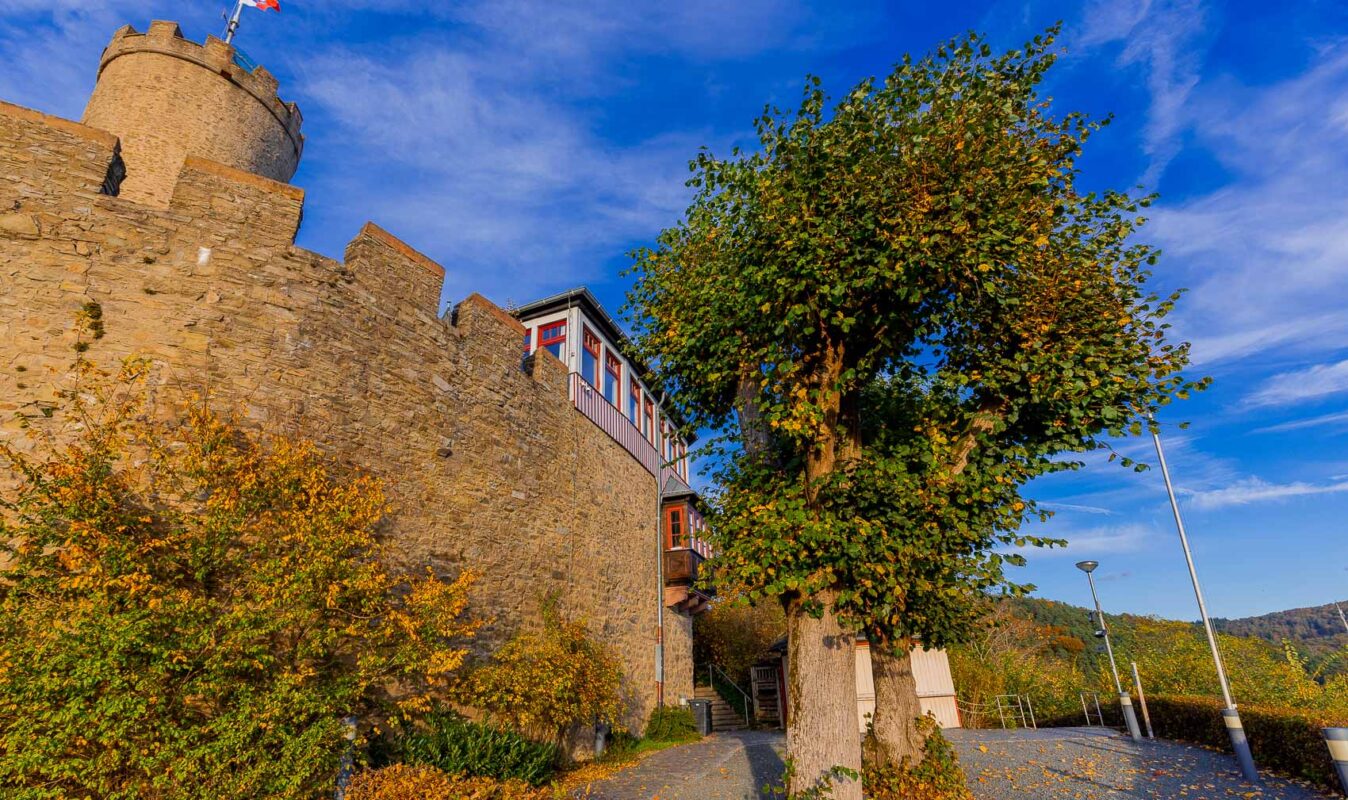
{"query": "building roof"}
(675, 487)
(581, 297)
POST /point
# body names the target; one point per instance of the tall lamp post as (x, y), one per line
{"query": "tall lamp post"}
(1230, 716)
(1125, 699)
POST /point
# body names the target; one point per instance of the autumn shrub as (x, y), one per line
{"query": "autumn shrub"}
(459, 746)
(189, 610)
(422, 782)
(1283, 739)
(548, 680)
(672, 724)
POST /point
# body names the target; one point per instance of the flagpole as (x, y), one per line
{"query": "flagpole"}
(233, 22)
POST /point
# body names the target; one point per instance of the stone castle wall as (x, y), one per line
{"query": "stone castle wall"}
(488, 463)
(166, 97)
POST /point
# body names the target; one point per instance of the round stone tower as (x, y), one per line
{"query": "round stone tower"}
(167, 98)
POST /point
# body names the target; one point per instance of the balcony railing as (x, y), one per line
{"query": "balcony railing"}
(590, 402)
(681, 567)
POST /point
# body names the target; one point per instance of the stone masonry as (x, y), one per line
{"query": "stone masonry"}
(489, 465)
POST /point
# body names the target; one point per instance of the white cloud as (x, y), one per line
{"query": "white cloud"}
(1164, 37)
(1265, 255)
(505, 184)
(1255, 490)
(1088, 542)
(1308, 384)
(1337, 419)
(1052, 506)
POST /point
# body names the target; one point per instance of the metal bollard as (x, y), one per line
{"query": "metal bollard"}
(1337, 739)
(1240, 744)
(1130, 716)
(601, 734)
(348, 757)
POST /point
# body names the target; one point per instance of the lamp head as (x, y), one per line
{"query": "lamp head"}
(1087, 566)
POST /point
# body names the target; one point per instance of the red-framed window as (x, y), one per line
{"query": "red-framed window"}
(634, 404)
(613, 374)
(589, 357)
(552, 337)
(528, 335)
(648, 421)
(676, 527)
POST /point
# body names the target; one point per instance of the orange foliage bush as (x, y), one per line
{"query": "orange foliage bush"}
(404, 782)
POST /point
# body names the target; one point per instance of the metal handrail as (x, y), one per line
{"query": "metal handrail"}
(713, 671)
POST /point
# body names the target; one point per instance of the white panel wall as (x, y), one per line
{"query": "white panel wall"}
(935, 686)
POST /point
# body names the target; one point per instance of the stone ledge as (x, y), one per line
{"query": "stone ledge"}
(96, 135)
(402, 248)
(200, 164)
(483, 303)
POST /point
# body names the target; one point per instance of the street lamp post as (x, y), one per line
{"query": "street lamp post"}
(1230, 716)
(1125, 699)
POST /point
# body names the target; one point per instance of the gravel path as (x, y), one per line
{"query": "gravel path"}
(1057, 764)
(727, 766)
(1099, 764)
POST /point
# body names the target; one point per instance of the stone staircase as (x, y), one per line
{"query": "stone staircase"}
(724, 717)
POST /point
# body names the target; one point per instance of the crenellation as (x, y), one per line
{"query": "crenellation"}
(233, 200)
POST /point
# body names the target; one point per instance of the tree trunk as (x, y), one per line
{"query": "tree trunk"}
(822, 732)
(894, 731)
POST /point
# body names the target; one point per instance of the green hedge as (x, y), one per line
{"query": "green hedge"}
(671, 724)
(1285, 740)
(460, 746)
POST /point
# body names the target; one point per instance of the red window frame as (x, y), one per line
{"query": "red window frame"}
(649, 421)
(613, 370)
(552, 333)
(634, 404)
(528, 334)
(590, 342)
(675, 514)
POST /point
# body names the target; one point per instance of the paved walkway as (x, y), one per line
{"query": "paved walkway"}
(1099, 764)
(1057, 764)
(727, 766)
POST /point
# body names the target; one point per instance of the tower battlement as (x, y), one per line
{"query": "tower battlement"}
(168, 98)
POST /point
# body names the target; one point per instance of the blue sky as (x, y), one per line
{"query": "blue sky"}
(528, 145)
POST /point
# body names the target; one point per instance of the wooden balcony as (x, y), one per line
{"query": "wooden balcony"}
(683, 592)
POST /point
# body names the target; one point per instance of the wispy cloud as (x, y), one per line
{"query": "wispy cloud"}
(1336, 419)
(1256, 490)
(1266, 255)
(1051, 506)
(503, 183)
(1087, 542)
(1164, 37)
(1312, 383)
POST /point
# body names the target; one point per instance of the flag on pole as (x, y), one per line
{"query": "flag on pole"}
(263, 5)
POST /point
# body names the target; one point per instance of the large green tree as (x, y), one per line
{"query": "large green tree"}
(897, 311)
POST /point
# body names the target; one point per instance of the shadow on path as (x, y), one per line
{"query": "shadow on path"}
(726, 766)
(1101, 764)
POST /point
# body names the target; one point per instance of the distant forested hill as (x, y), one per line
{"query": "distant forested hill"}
(1315, 631)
